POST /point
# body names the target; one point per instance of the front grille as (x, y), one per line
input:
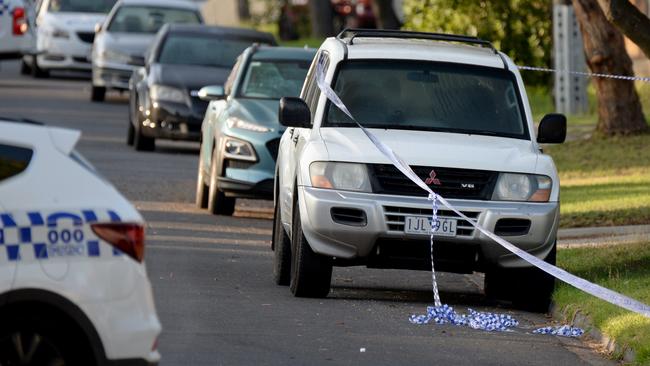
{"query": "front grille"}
(87, 37)
(396, 216)
(273, 146)
(454, 183)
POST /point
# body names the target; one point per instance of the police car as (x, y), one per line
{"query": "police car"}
(14, 35)
(73, 284)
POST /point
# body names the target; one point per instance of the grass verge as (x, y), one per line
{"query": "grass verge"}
(622, 268)
(604, 182)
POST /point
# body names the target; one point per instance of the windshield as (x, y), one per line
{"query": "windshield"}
(274, 79)
(81, 6)
(149, 19)
(429, 96)
(201, 50)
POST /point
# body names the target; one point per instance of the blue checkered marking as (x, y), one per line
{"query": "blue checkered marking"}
(25, 237)
(4, 7)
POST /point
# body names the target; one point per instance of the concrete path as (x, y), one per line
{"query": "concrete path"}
(596, 236)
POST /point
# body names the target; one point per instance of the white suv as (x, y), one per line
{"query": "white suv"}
(455, 110)
(73, 285)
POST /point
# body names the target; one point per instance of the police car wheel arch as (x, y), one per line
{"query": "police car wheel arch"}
(53, 301)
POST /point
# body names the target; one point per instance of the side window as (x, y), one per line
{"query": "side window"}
(311, 92)
(13, 160)
(231, 78)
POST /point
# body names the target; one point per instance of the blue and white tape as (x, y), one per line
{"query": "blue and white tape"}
(586, 74)
(580, 283)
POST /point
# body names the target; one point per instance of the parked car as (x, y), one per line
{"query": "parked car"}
(73, 284)
(122, 40)
(14, 35)
(182, 59)
(64, 35)
(240, 134)
(459, 116)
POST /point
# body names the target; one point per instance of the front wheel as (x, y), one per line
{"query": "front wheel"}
(282, 250)
(37, 72)
(311, 273)
(142, 142)
(528, 288)
(218, 203)
(98, 94)
(201, 187)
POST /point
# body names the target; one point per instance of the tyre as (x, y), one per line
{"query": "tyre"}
(218, 203)
(130, 134)
(37, 72)
(528, 288)
(24, 68)
(142, 142)
(282, 250)
(42, 340)
(311, 273)
(201, 187)
(98, 94)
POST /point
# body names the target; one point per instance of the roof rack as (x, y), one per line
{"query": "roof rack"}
(382, 33)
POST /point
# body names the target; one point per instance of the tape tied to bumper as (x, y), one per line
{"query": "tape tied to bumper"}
(580, 283)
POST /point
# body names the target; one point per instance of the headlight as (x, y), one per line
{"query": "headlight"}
(60, 33)
(116, 57)
(235, 122)
(522, 187)
(344, 176)
(238, 149)
(167, 93)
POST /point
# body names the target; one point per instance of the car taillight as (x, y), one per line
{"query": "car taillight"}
(128, 238)
(19, 22)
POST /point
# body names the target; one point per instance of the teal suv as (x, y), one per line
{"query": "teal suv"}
(240, 133)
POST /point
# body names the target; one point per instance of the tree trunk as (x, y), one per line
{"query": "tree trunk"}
(385, 14)
(619, 109)
(634, 24)
(243, 9)
(322, 18)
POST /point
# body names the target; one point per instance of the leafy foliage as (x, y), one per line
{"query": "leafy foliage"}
(520, 28)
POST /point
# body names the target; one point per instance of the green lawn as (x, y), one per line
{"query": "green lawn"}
(622, 268)
(603, 182)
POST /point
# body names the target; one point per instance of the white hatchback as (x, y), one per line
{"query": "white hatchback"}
(65, 31)
(73, 284)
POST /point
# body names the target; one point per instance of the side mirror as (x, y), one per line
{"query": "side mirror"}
(212, 92)
(98, 27)
(294, 112)
(552, 129)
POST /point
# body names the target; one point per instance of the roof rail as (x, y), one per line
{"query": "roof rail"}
(389, 33)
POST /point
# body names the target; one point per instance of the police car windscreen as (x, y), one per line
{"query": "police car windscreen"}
(429, 96)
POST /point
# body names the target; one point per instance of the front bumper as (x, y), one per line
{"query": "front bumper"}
(64, 54)
(112, 77)
(174, 121)
(384, 227)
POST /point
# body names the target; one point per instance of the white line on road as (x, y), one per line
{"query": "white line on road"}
(190, 240)
(213, 228)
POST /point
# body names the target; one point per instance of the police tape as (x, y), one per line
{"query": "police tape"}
(585, 74)
(580, 283)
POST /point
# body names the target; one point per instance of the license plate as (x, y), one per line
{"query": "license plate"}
(422, 225)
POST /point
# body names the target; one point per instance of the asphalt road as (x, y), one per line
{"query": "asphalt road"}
(212, 274)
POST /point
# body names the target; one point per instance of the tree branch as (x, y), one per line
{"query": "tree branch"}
(629, 19)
